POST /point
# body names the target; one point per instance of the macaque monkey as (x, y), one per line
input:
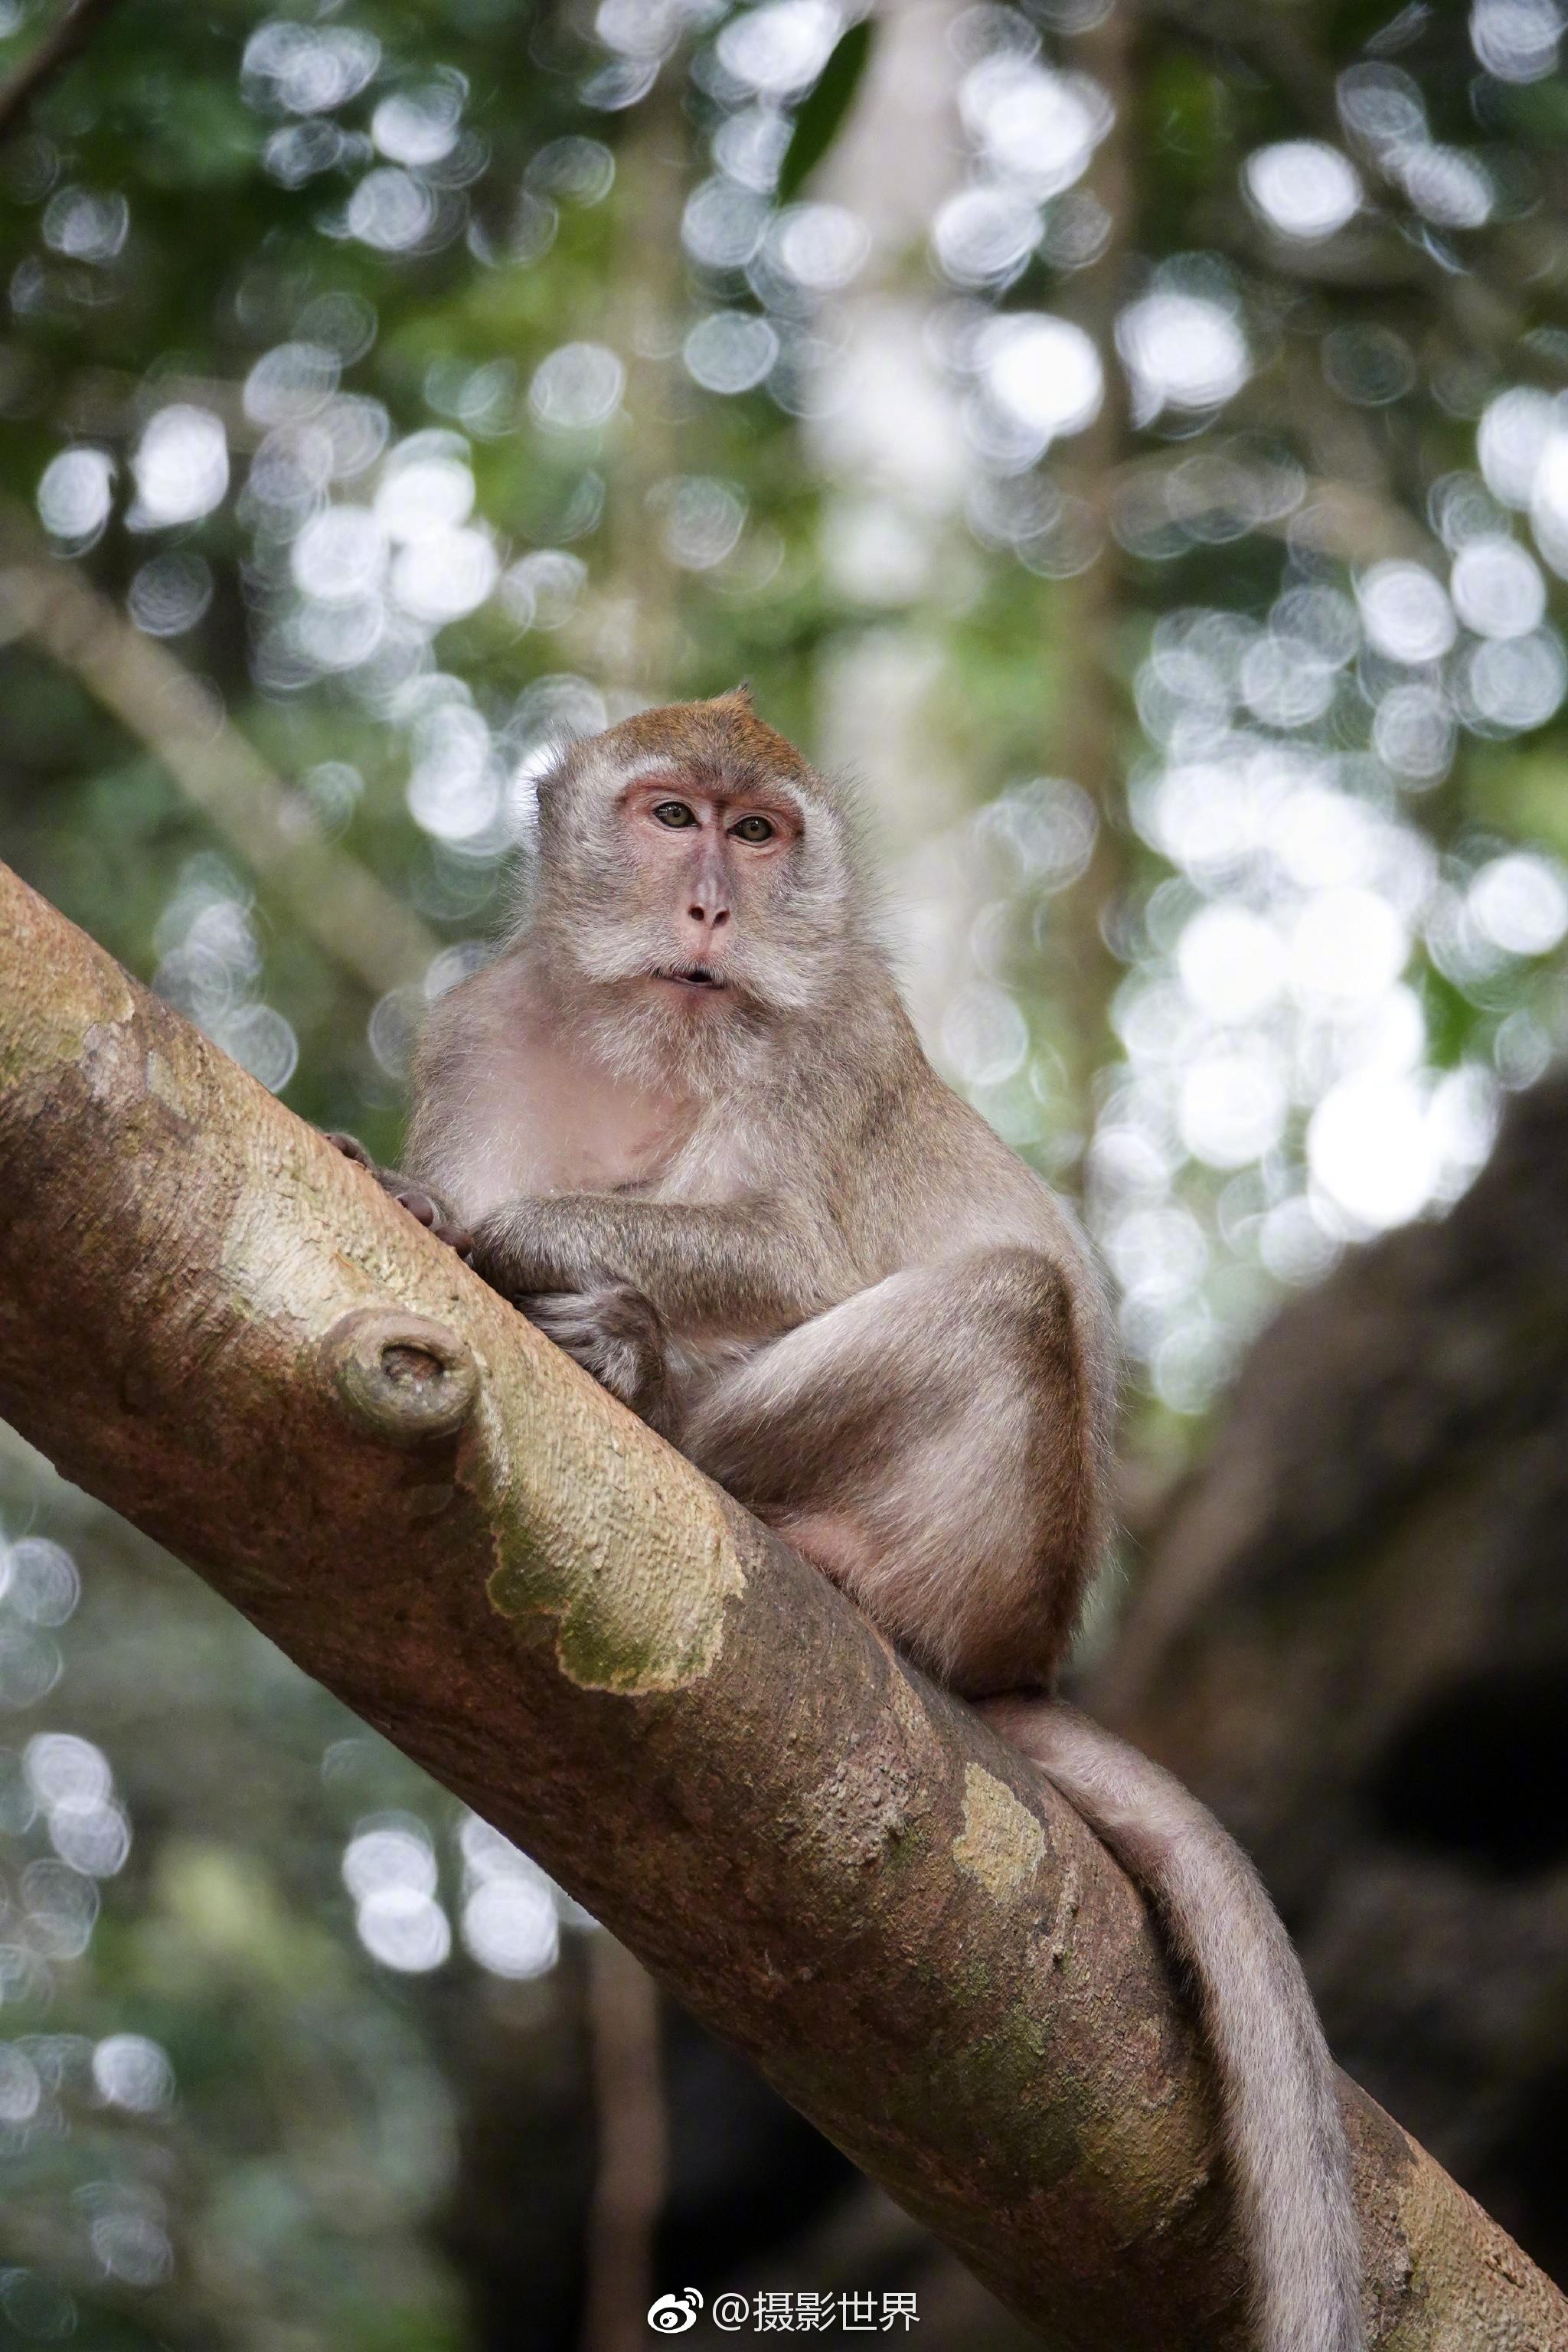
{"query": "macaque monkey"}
(684, 1123)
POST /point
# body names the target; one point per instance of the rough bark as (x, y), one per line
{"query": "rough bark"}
(1352, 1642)
(213, 1322)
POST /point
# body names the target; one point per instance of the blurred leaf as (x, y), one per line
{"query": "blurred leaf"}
(821, 117)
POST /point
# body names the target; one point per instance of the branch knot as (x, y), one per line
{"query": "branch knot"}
(405, 1379)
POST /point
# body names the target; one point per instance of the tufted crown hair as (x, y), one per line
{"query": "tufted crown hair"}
(721, 742)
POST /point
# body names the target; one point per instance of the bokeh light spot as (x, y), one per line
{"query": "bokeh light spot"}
(1303, 187)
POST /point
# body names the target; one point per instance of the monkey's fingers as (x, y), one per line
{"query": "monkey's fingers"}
(419, 1204)
(429, 1212)
(351, 1148)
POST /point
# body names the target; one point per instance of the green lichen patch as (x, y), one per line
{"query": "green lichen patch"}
(631, 1555)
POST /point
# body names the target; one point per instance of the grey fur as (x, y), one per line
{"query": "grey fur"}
(756, 1213)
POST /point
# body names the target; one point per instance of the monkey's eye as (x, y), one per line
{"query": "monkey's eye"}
(754, 829)
(674, 813)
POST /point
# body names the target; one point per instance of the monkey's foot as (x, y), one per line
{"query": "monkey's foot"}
(615, 1333)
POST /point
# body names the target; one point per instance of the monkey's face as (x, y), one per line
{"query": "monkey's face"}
(696, 865)
(706, 874)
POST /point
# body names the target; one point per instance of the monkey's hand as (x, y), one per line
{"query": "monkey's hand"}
(419, 1203)
(615, 1333)
(722, 1268)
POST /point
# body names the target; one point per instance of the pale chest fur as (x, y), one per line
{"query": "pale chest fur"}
(556, 1126)
(524, 1110)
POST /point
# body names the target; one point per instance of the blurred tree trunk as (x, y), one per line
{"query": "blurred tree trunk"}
(1352, 1642)
(631, 2134)
(640, 638)
(59, 46)
(1086, 741)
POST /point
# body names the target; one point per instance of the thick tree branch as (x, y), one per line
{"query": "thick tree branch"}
(213, 1322)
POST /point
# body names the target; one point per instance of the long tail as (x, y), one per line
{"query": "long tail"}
(1283, 2134)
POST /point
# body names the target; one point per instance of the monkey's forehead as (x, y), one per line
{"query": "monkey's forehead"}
(723, 739)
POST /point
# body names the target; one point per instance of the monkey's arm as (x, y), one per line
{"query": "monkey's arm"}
(747, 1269)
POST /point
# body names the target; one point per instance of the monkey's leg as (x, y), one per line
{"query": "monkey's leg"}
(927, 1444)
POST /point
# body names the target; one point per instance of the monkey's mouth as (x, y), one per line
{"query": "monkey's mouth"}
(691, 975)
